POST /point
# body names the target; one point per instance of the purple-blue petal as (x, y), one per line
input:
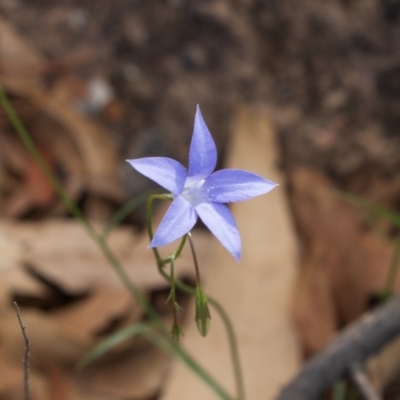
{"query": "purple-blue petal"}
(168, 173)
(219, 220)
(202, 152)
(232, 185)
(178, 220)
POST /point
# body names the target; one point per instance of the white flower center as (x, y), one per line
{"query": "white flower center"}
(193, 191)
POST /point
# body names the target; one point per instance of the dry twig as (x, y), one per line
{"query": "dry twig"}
(354, 345)
(25, 360)
(360, 379)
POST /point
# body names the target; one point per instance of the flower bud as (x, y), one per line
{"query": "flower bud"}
(202, 312)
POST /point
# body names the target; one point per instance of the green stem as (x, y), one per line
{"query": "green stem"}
(178, 251)
(173, 348)
(228, 327)
(232, 340)
(78, 214)
(125, 211)
(149, 207)
(393, 270)
(70, 204)
(233, 347)
(196, 264)
(172, 296)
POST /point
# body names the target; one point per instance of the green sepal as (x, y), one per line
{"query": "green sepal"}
(203, 315)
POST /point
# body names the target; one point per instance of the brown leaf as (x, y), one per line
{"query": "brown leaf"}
(343, 265)
(72, 299)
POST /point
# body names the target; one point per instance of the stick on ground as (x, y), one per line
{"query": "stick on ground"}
(354, 345)
(25, 360)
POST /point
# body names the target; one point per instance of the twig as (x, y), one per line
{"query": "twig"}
(354, 345)
(360, 379)
(25, 360)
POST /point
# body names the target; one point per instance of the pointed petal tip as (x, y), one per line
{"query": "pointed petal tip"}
(168, 173)
(152, 244)
(199, 114)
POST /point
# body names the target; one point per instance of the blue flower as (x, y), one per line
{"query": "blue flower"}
(201, 192)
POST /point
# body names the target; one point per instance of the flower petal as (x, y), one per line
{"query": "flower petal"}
(219, 220)
(168, 173)
(232, 185)
(203, 152)
(178, 220)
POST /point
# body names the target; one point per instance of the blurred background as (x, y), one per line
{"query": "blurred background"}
(96, 82)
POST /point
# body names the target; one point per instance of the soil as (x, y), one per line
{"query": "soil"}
(328, 71)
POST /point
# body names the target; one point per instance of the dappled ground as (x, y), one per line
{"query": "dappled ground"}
(98, 82)
(329, 72)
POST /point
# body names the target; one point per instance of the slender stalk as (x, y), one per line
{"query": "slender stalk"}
(194, 256)
(232, 340)
(126, 210)
(178, 251)
(32, 149)
(174, 348)
(233, 347)
(149, 210)
(176, 329)
(101, 242)
(228, 327)
(393, 270)
(25, 360)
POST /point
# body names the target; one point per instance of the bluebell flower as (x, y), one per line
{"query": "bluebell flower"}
(201, 192)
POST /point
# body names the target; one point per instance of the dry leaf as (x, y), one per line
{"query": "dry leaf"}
(344, 264)
(18, 55)
(55, 266)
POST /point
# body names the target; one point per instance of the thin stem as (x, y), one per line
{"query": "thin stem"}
(228, 326)
(173, 297)
(32, 149)
(25, 360)
(101, 242)
(233, 347)
(125, 211)
(178, 251)
(173, 348)
(194, 256)
(149, 210)
(393, 269)
(135, 292)
(71, 205)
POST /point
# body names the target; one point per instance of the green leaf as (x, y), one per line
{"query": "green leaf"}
(112, 341)
(371, 208)
(125, 210)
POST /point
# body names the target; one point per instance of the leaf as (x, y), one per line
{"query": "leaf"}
(344, 264)
(372, 208)
(113, 341)
(125, 210)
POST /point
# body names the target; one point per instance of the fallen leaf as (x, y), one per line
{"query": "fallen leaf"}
(71, 299)
(344, 264)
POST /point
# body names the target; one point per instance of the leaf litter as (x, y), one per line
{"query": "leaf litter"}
(70, 299)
